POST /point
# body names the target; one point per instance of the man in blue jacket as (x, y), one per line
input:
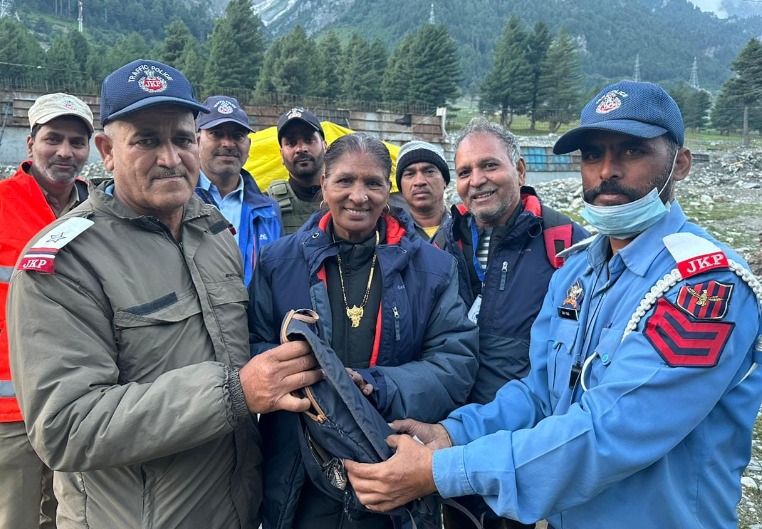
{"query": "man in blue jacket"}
(639, 408)
(223, 140)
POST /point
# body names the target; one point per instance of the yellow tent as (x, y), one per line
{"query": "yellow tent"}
(265, 163)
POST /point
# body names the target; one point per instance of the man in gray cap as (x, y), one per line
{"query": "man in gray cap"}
(640, 405)
(138, 388)
(302, 148)
(422, 176)
(223, 142)
(44, 188)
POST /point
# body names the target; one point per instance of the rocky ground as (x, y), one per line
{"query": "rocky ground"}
(724, 196)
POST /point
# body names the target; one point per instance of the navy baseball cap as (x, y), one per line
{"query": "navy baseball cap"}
(143, 83)
(639, 109)
(221, 110)
(299, 114)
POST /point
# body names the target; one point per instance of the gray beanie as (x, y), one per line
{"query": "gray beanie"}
(420, 151)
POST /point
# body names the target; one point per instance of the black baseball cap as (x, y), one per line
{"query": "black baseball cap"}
(299, 114)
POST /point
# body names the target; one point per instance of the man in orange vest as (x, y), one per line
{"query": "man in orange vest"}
(44, 188)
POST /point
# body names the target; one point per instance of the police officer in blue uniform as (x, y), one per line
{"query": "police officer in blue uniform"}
(639, 408)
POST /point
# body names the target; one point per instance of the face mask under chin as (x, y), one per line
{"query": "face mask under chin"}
(625, 221)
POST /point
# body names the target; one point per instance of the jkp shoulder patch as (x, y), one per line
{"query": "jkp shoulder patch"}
(683, 341)
(41, 256)
(694, 254)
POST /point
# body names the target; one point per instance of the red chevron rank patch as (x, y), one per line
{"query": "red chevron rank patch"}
(682, 341)
(705, 301)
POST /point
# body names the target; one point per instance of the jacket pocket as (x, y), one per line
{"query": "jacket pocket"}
(560, 352)
(161, 334)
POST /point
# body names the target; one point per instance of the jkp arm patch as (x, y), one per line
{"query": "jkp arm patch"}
(684, 341)
(41, 257)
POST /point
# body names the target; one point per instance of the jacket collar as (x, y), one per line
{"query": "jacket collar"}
(103, 200)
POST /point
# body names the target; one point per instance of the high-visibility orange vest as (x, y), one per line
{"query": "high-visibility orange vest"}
(24, 211)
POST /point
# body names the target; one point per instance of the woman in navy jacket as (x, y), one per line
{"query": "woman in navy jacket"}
(388, 305)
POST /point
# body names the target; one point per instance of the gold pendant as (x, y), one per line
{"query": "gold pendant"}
(355, 315)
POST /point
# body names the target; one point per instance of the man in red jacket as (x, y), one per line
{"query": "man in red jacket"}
(44, 188)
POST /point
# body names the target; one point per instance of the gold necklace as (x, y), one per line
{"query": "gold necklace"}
(355, 313)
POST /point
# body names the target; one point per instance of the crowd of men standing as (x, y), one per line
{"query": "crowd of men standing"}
(544, 372)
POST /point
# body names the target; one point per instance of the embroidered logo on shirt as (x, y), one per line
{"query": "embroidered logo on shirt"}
(705, 301)
(569, 308)
(683, 341)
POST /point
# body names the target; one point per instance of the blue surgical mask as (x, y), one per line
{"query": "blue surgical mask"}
(625, 221)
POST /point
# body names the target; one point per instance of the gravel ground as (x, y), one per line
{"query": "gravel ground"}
(725, 197)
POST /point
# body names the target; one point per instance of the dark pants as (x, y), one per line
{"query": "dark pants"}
(454, 519)
(318, 511)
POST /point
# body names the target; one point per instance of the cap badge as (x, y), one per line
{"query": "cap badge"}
(611, 101)
(151, 83)
(294, 113)
(68, 104)
(225, 107)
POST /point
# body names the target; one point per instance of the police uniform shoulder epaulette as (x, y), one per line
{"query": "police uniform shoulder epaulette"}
(576, 248)
(41, 256)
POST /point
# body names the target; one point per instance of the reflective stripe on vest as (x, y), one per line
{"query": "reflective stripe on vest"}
(6, 389)
(5, 274)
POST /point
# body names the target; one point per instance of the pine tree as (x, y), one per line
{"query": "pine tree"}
(236, 48)
(359, 84)
(746, 87)
(539, 43)
(81, 48)
(560, 82)
(693, 103)
(435, 68)
(266, 84)
(289, 66)
(177, 38)
(508, 84)
(396, 85)
(58, 62)
(330, 79)
(296, 72)
(20, 49)
(127, 49)
(727, 111)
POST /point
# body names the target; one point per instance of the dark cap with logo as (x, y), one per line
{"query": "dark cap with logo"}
(222, 109)
(299, 114)
(143, 83)
(638, 109)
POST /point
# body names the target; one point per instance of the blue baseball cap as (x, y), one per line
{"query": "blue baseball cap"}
(222, 109)
(143, 83)
(639, 109)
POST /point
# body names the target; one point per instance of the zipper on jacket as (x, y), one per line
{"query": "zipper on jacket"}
(503, 275)
(396, 314)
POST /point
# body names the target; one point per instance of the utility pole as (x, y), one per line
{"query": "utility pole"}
(636, 73)
(79, 17)
(432, 20)
(694, 75)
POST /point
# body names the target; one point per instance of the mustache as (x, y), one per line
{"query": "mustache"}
(304, 158)
(171, 173)
(610, 187)
(61, 161)
(226, 152)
